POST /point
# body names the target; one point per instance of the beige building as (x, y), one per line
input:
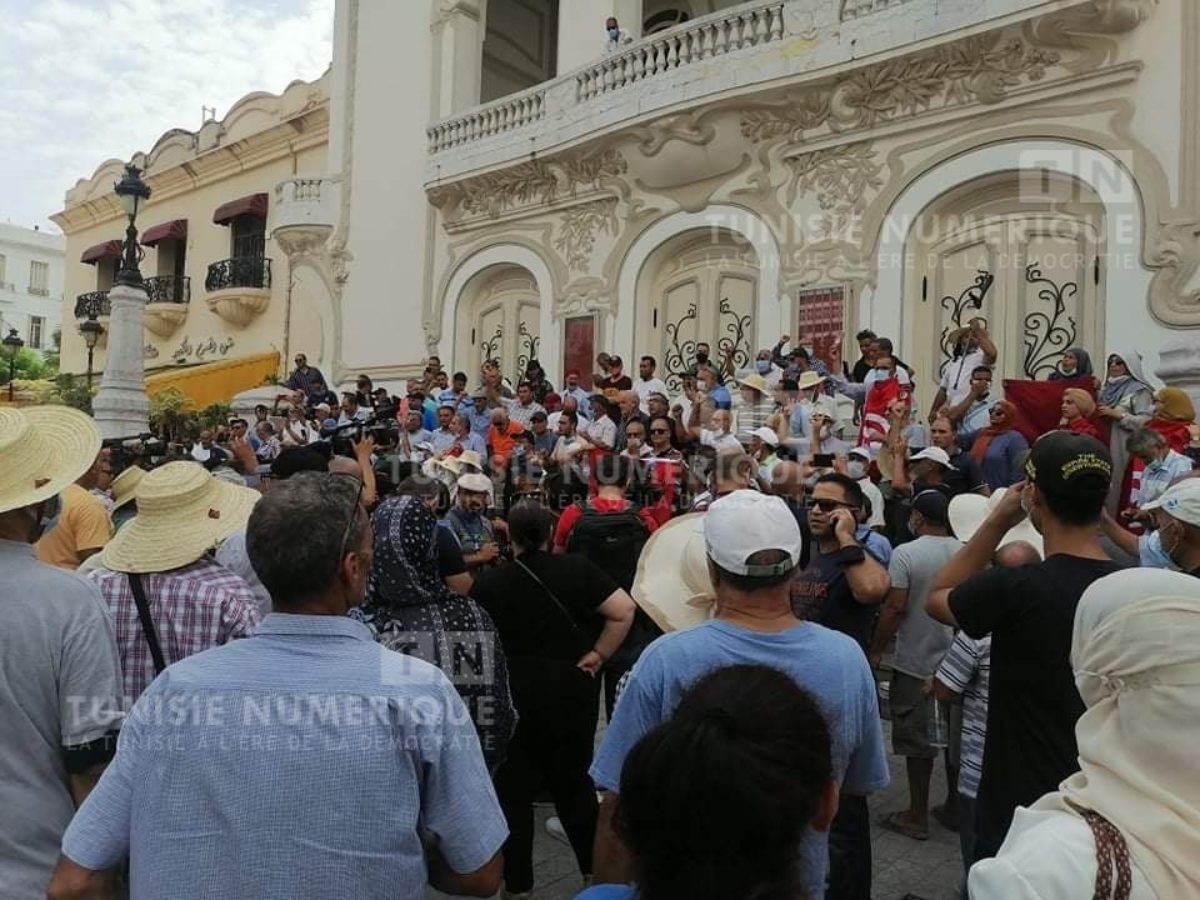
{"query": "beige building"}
(500, 182)
(219, 284)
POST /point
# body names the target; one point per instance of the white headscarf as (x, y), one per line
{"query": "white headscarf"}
(1136, 657)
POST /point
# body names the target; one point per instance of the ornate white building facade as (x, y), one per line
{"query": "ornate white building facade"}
(31, 284)
(744, 170)
(809, 167)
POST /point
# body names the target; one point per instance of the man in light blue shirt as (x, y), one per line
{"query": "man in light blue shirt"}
(480, 415)
(306, 761)
(753, 546)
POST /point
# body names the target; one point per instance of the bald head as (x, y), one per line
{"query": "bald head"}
(787, 480)
(1018, 553)
(344, 465)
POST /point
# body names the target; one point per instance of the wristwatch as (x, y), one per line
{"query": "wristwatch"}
(851, 556)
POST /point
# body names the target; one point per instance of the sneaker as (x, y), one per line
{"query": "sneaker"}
(554, 828)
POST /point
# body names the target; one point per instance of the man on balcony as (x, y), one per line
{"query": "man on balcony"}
(308, 379)
(615, 37)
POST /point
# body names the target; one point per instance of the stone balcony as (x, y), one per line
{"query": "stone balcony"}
(304, 212)
(731, 52)
(239, 289)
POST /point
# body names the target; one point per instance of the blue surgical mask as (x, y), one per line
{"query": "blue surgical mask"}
(1152, 554)
(763, 366)
(856, 469)
(614, 33)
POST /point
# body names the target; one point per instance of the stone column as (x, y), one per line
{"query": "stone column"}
(1179, 365)
(458, 30)
(121, 407)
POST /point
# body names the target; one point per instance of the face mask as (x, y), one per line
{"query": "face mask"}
(883, 373)
(763, 366)
(614, 33)
(1154, 555)
(856, 469)
(702, 357)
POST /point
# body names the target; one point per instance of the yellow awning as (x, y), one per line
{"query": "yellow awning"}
(216, 382)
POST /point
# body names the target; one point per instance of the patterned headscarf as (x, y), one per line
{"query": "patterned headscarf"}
(409, 609)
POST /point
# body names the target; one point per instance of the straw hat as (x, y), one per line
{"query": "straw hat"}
(967, 512)
(672, 583)
(125, 484)
(456, 464)
(43, 449)
(809, 380)
(182, 512)
(755, 382)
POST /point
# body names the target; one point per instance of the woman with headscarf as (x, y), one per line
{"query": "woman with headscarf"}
(1174, 413)
(1127, 400)
(410, 609)
(1076, 363)
(999, 449)
(1078, 407)
(1130, 818)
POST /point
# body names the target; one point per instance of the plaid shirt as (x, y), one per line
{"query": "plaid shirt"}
(194, 608)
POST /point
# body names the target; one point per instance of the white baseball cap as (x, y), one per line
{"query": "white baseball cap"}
(747, 522)
(864, 452)
(766, 435)
(937, 454)
(1182, 502)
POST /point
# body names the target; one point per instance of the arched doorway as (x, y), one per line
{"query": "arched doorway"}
(499, 317)
(701, 285)
(1022, 250)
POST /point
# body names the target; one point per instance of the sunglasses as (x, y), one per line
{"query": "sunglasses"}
(660, 431)
(831, 505)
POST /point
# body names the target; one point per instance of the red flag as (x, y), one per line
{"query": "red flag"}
(880, 396)
(1039, 404)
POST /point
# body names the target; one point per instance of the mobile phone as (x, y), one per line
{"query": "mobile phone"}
(823, 460)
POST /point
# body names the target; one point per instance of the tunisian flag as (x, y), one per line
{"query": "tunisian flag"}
(1039, 404)
(874, 427)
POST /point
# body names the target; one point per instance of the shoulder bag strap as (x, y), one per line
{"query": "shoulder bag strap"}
(148, 630)
(553, 599)
(1114, 879)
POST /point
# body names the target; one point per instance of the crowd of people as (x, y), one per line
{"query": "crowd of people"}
(347, 648)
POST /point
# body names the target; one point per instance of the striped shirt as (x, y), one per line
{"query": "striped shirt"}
(965, 671)
(195, 607)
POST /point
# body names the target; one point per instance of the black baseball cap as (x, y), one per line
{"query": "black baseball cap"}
(297, 459)
(934, 506)
(1068, 465)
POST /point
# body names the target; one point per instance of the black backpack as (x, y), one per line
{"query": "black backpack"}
(611, 540)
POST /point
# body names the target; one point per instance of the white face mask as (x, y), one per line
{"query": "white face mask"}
(1154, 555)
(856, 469)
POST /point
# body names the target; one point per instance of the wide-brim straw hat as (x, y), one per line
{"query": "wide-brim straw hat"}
(809, 379)
(125, 484)
(756, 382)
(672, 584)
(43, 449)
(456, 464)
(967, 512)
(183, 511)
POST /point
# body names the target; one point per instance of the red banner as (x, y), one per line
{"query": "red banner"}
(1039, 404)
(579, 348)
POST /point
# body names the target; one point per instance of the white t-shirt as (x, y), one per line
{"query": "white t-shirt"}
(956, 377)
(645, 388)
(602, 432)
(1047, 855)
(872, 492)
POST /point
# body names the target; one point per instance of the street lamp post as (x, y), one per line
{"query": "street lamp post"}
(91, 331)
(121, 407)
(14, 344)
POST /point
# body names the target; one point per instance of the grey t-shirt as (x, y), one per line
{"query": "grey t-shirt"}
(60, 686)
(921, 642)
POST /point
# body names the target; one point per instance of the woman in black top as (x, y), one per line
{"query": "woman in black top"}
(559, 618)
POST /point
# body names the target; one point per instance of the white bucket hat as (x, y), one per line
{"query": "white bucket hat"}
(182, 512)
(967, 512)
(43, 449)
(475, 483)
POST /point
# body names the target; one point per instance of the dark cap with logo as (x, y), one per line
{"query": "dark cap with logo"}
(1067, 464)
(933, 505)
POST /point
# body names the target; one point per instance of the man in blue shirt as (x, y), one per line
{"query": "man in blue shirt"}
(480, 415)
(456, 395)
(753, 548)
(306, 761)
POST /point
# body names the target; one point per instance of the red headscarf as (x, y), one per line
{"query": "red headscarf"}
(1083, 426)
(979, 450)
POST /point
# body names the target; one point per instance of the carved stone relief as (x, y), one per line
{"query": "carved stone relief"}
(578, 228)
(842, 178)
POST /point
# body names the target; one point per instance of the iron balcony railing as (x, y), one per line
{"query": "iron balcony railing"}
(169, 289)
(239, 272)
(92, 304)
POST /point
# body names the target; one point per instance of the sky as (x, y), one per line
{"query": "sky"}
(89, 80)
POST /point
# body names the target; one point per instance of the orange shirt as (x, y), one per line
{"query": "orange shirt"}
(502, 442)
(83, 524)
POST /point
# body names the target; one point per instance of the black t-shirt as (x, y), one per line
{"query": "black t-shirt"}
(821, 593)
(1033, 705)
(530, 623)
(620, 383)
(450, 556)
(965, 476)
